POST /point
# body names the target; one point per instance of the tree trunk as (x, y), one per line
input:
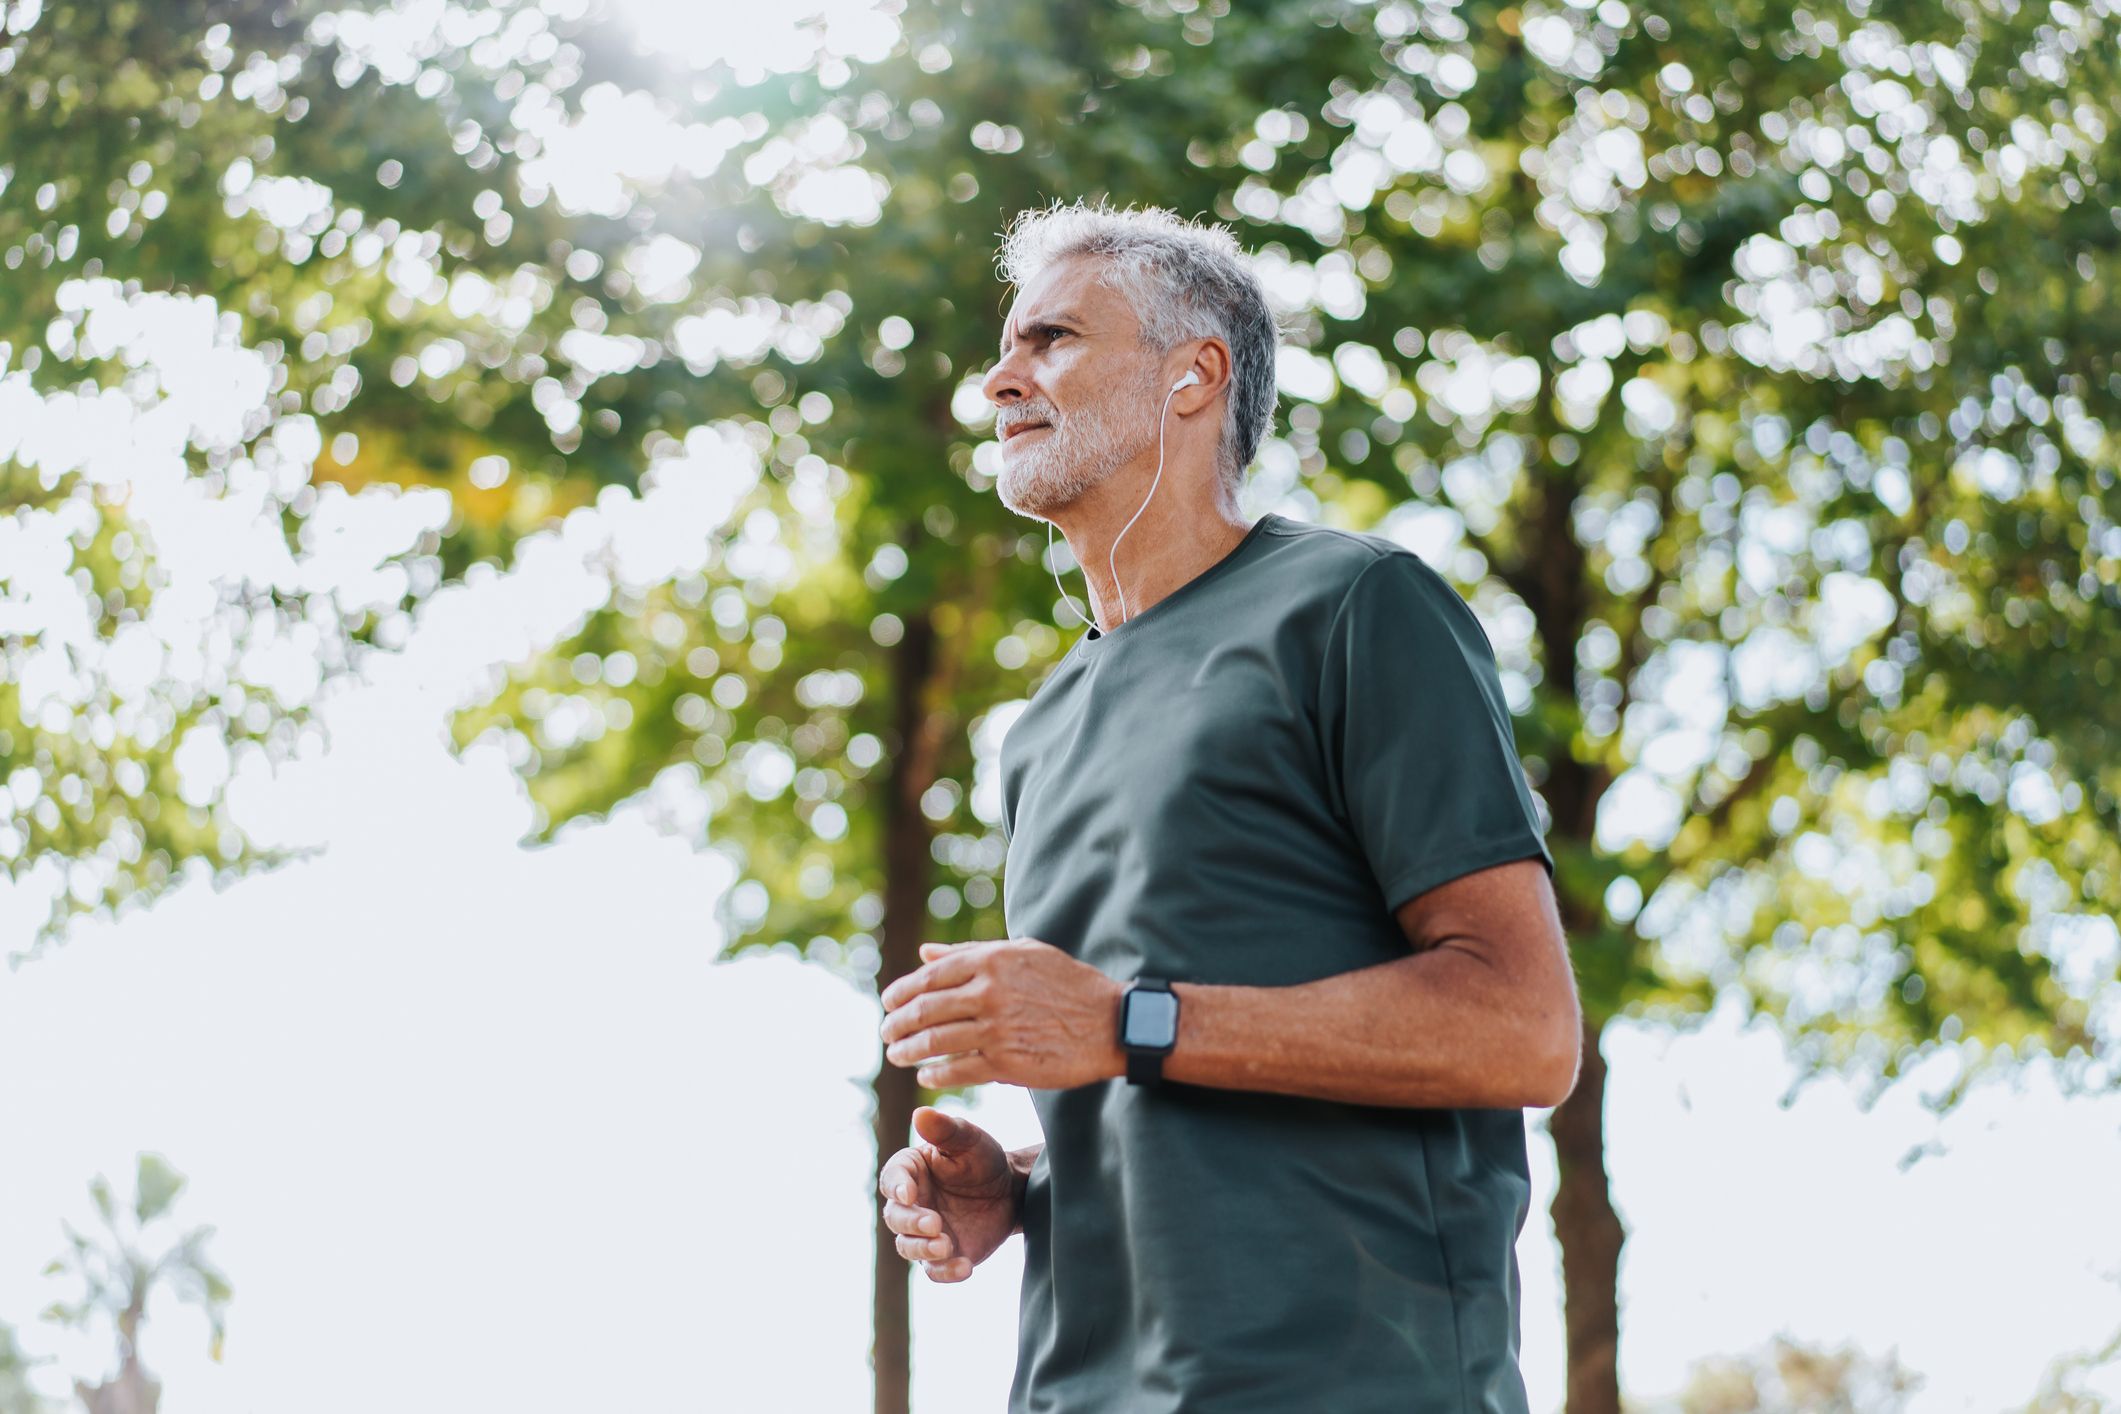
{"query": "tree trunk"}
(129, 1392)
(908, 871)
(1556, 585)
(896, 1097)
(1591, 1235)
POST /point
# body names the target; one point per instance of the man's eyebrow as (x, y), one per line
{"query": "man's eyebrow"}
(1066, 316)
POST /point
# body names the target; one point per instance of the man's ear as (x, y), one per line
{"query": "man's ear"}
(1211, 367)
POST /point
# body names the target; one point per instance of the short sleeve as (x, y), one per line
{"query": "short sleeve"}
(1418, 740)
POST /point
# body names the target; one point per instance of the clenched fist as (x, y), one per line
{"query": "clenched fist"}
(953, 1196)
(1019, 1011)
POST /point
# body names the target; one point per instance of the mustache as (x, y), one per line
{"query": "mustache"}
(1016, 414)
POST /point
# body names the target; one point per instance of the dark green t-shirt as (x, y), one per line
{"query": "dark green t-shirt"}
(1239, 786)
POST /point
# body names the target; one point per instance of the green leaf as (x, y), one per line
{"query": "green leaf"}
(159, 1186)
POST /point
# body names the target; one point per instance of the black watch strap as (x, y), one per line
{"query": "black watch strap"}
(1145, 1067)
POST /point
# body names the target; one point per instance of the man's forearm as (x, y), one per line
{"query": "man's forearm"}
(1020, 1161)
(1440, 1029)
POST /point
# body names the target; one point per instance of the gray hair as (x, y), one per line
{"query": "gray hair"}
(1185, 280)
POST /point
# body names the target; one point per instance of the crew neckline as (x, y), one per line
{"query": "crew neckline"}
(1093, 636)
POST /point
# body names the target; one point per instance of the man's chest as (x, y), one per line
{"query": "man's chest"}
(1180, 823)
(1160, 749)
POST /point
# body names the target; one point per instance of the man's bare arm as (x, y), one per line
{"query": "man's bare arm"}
(1483, 1014)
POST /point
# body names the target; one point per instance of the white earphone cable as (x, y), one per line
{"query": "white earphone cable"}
(1110, 563)
(1066, 597)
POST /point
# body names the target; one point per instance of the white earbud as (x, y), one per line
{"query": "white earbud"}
(1188, 381)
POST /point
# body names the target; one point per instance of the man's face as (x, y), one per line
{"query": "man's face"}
(1074, 388)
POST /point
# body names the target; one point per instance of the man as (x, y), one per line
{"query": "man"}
(1276, 782)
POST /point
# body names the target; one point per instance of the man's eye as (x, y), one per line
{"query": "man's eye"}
(1053, 333)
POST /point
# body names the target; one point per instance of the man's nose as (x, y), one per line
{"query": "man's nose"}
(1005, 383)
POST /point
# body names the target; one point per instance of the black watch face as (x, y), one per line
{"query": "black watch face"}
(1152, 1019)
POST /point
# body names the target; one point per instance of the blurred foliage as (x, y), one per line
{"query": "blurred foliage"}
(1751, 367)
(1693, 345)
(869, 601)
(120, 1269)
(1790, 1378)
(17, 1396)
(2085, 1382)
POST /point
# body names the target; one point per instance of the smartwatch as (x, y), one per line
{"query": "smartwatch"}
(1148, 1028)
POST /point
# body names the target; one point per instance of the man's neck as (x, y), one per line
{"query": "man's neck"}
(1178, 538)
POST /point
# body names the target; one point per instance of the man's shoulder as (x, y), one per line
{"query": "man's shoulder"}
(1329, 564)
(1322, 546)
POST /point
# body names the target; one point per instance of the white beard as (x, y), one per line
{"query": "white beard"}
(1075, 453)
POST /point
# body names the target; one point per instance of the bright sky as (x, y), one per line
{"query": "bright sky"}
(487, 1127)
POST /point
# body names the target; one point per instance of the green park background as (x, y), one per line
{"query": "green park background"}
(1750, 366)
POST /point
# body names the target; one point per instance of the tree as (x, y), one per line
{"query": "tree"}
(1773, 586)
(172, 326)
(819, 678)
(1789, 582)
(1748, 367)
(256, 285)
(118, 1270)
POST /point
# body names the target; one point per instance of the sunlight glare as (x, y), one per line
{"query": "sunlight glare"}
(758, 40)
